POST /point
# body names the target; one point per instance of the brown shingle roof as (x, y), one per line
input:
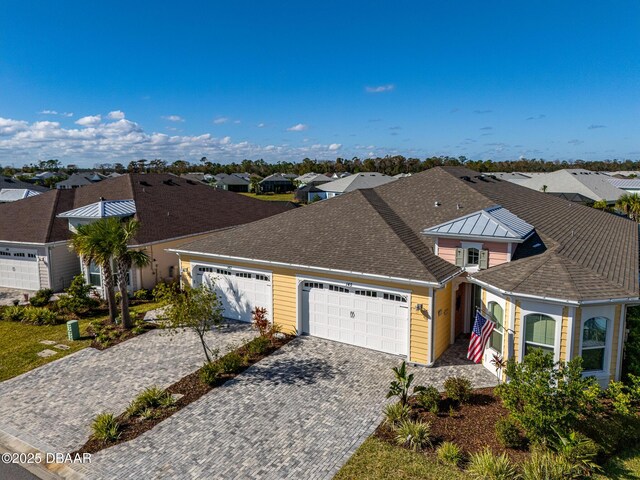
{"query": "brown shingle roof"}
(167, 207)
(584, 253)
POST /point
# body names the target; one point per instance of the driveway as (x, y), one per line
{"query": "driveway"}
(299, 413)
(8, 295)
(51, 407)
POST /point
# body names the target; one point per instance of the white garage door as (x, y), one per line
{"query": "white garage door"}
(239, 290)
(364, 317)
(19, 269)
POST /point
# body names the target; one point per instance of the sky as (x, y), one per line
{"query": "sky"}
(103, 82)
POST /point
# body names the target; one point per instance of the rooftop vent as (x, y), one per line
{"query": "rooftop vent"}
(436, 203)
(144, 183)
(466, 178)
(191, 182)
(169, 182)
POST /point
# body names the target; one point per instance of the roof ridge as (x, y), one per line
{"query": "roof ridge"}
(543, 261)
(591, 271)
(52, 214)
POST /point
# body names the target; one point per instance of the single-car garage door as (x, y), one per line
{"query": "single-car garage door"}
(19, 269)
(364, 317)
(239, 290)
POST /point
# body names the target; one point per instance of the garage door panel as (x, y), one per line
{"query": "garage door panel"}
(19, 269)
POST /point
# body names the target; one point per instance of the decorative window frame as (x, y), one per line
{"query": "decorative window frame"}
(541, 308)
(466, 246)
(609, 312)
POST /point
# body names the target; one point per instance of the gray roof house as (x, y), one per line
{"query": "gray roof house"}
(14, 194)
(629, 185)
(576, 185)
(357, 181)
(79, 180)
(232, 183)
(313, 179)
(9, 183)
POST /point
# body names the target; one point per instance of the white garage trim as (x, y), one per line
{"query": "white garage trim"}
(19, 268)
(301, 279)
(196, 278)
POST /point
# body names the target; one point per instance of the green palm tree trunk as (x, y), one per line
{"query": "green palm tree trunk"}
(123, 269)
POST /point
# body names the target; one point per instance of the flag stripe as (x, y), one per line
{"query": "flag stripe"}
(480, 335)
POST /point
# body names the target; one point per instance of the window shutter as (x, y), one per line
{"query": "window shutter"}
(459, 257)
(483, 262)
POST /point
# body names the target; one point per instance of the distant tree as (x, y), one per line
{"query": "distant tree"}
(119, 168)
(629, 204)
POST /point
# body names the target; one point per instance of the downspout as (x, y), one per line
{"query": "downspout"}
(431, 326)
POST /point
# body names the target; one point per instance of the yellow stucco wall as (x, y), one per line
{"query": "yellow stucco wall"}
(442, 314)
(285, 286)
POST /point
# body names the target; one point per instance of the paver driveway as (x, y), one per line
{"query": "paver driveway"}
(300, 413)
(52, 406)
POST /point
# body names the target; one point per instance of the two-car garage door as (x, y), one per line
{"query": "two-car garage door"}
(19, 269)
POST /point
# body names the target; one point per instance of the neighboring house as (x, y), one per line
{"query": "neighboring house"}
(357, 181)
(9, 183)
(14, 194)
(308, 194)
(42, 176)
(404, 267)
(312, 179)
(575, 184)
(276, 183)
(199, 177)
(340, 175)
(79, 180)
(402, 175)
(34, 250)
(631, 185)
(232, 183)
(513, 177)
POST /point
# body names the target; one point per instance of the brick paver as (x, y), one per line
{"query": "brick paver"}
(52, 406)
(300, 413)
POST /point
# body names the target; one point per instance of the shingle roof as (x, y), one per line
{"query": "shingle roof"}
(590, 184)
(356, 181)
(77, 180)
(233, 179)
(576, 252)
(8, 182)
(166, 206)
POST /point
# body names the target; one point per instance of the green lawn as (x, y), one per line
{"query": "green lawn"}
(279, 197)
(20, 343)
(625, 466)
(377, 460)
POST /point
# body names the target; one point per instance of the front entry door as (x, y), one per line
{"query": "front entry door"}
(460, 304)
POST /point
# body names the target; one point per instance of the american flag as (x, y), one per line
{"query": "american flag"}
(480, 334)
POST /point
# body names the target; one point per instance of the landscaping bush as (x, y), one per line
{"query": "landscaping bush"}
(141, 294)
(396, 413)
(486, 465)
(631, 362)
(230, 363)
(428, 398)
(612, 433)
(400, 386)
(163, 291)
(76, 299)
(260, 321)
(39, 316)
(579, 450)
(13, 313)
(542, 395)
(449, 453)
(259, 346)
(414, 435)
(150, 398)
(508, 433)
(105, 427)
(545, 465)
(458, 389)
(210, 373)
(41, 298)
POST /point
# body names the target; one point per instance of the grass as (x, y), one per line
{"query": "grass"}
(277, 197)
(378, 460)
(624, 466)
(20, 343)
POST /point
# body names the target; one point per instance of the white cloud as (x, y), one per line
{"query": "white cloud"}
(225, 140)
(300, 127)
(380, 88)
(261, 125)
(335, 146)
(89, 121)
(9, 126)
(54, 112)
(237, 122)
(174, 118)
(116, 115)
(220, 120)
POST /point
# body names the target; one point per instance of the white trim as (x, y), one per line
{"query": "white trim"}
(460, 236)
(511, 344)
(622, 327)
(431, 327)
(509, 251)
(452, 310)
(534, 308)
(571, 316)
(369, 276)
(605, 374)
(436, 247)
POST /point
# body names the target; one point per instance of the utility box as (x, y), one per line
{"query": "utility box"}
(73, 330)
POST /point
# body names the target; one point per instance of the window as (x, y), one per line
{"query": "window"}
(205, 269)
(335, 288)
(31, 255)
(18, 254)
(366, 293)
(94, 275)
(540, 333)
(594, 341)
(223, 272)
(243, 274)
(261, 277)
(497, 315)
(394, 298)
(473, 256)
(313, 285)
(6, 254)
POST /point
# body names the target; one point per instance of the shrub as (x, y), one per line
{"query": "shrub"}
(141, 294)
(620, 397)
(258, 346)
(545, 465)
(486, 465)
(458, 389)
(260, 321)
(148, 413)
(633, 387)
(579, 450)
(209, 373)
(41, 297)
(77, 299)
(13, 313)
(414, 435)
(613, 432)
(400, 386)
(508, 433)
(105, 427)
(631, 362)
(542, 395)
(230, 363)
(396, 413)
(39, 316)
(449, 453)
(427, 398)
(149, 398)
(164, 291)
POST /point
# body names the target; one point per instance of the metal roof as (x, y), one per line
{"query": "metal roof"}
(625, 183)
(103, 209)
(357, 181)
(494, 222)
(13, 194)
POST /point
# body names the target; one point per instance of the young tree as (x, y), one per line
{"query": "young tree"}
(629, 204)
(196, 309)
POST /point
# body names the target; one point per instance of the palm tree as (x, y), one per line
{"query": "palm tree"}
(94, 244)
(126, 258)
(629, 204)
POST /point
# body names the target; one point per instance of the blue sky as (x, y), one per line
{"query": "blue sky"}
(86, 82)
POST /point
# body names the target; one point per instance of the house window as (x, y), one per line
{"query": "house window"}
(18, 254)
(540, 333)
(366, 293)
(473, 256)
(222, 272)
(243, 274)
(394, 298)
(31, 255)
(497, 315)
(313, 285)
(335, 288)
(261, 277)
(94, 275)
(594, 341)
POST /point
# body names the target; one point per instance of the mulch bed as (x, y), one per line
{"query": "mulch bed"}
(190, 387)
(471, 426)
(123, 334)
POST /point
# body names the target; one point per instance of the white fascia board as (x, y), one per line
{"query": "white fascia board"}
(478, 238)
(370, 276)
